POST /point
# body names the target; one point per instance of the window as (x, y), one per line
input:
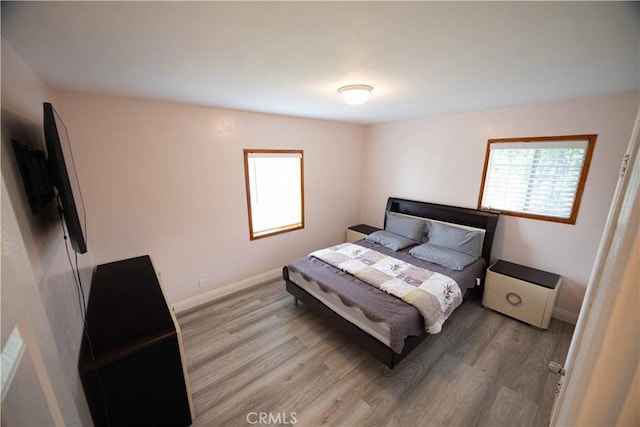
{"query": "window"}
(275, 191)
(539, 178)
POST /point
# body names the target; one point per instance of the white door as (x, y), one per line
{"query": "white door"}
(601, 382)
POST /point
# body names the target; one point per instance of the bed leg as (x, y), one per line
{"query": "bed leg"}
(386, 372)
(295, 301)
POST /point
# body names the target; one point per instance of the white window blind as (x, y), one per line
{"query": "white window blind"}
(534, 178)
(274, 185)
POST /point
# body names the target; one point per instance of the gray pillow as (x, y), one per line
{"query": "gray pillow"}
(458, 239)
(411, 228)
(390, 240)
(442, 256)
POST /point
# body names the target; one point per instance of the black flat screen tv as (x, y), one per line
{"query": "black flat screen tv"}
(64, 178)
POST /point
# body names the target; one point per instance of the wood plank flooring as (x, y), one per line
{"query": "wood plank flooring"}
(256, 354)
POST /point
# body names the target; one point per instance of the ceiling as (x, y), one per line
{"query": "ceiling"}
(423, 58)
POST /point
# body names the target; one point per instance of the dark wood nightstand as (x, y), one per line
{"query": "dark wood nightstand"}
(359, 232)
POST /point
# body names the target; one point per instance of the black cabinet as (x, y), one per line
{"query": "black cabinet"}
(137, 375)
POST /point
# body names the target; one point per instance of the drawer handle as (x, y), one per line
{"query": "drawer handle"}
(513, 299)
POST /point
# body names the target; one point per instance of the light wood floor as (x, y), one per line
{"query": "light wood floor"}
(256, 352)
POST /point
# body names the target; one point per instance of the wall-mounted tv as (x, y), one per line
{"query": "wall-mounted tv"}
(35, 175)
(65, 179)
(42, 172)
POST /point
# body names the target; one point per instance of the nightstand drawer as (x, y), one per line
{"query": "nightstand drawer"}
(515, 298)
(353, 236)
(522, 292)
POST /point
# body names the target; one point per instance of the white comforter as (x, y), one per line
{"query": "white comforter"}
(433, 294)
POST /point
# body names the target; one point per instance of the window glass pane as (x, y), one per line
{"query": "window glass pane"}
(274, 183)
(540, 179)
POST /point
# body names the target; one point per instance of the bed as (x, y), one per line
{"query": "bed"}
(383, 324)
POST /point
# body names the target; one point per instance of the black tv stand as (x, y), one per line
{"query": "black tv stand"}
(137, 347)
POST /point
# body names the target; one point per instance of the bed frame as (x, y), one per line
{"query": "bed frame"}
(463, 216)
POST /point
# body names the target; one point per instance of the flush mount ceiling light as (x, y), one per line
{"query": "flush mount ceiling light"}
(355, 94)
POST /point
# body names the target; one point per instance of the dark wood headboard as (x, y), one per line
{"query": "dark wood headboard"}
(454, 214)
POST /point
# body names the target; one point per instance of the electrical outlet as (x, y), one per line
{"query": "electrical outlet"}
(202, 283)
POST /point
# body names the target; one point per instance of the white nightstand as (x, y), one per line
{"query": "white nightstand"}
(359, 232)
(521, 292)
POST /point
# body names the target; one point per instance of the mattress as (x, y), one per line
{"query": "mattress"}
(381, 315)
(378, 330)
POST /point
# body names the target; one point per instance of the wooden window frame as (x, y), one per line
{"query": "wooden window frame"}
(591, 142)
(279, 230)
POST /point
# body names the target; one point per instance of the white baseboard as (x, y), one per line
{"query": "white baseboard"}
(224, 291)
(565, 315)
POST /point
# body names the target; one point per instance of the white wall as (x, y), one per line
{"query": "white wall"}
(37, 281)
(440, 159)
(168, 180)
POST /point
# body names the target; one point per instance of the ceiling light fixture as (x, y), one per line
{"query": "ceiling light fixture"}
(355, 94)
